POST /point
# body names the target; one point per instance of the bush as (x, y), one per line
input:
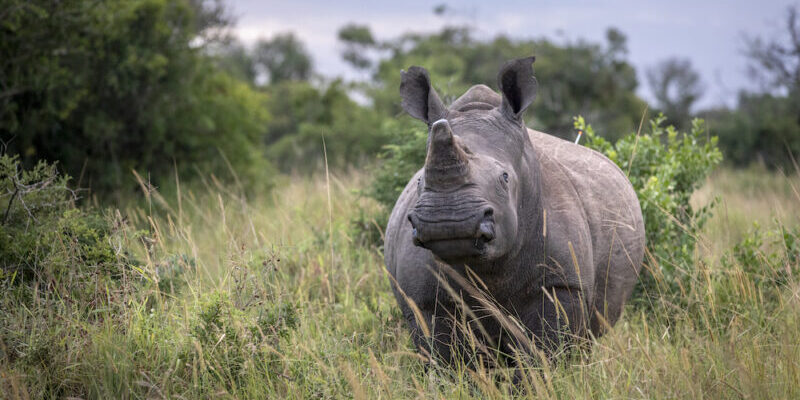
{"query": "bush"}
(770, 258)
(751, 281)
(665, 168)
(402, 158)
(62, 270)
(46, 240)
(108, 86)
(303, 114)
(763, 129)
(232, 340)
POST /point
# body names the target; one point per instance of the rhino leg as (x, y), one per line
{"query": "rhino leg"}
(446, 342)
(556, 319)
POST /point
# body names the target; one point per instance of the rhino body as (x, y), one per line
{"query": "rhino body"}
(539, 220)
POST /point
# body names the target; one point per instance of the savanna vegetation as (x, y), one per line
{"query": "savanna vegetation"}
(185, 216)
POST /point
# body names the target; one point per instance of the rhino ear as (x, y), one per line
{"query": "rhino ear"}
(419, 98)
(518, 86)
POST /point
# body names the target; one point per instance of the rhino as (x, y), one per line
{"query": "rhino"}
(551, 231)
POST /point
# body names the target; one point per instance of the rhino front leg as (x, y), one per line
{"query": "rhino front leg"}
(556, 318)
(445, 341)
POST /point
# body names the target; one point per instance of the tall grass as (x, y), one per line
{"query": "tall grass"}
(747, 197)
(239, 297)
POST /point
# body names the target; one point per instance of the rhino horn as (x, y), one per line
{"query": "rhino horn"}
(446, 162)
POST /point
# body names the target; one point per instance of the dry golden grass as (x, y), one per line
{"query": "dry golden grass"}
(730, 335)
(748, 197)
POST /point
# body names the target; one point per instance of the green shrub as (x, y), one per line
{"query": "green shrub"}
(770, 258)
(751, 281)
(63, 271)
(43, 234)
(401, 159)
(302, 115)
(665, 168)
(108, 86)
(763, 129)
(232, 340)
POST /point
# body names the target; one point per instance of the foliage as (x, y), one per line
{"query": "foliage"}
(771, 258)
(43, 235)
(108, 86)
(54, 259)
(764, 128)
(676, 87)
(400, 160)
(230, 336)
(46, 240)
(303, 115)
(403, 157)
(665, 168)
(576, 77)
(282, 58)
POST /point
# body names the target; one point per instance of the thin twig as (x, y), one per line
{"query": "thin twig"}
(5, 216)
(636, 143)
(330, 218)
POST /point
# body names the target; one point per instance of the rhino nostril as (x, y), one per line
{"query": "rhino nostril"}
(415, 238)
(414, 232)
(486, 231)
(411, 218)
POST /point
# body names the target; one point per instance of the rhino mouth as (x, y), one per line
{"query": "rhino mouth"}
(454, 238)
(454, 249)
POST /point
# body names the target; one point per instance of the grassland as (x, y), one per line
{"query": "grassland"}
(277, 296)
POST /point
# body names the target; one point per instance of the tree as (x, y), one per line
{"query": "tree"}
(234, 58)
(283, 58)
(676, 87)
(765, 127)
(357, 40)
(303, 114)
(575, 78)
(110, 86)
(776, 62)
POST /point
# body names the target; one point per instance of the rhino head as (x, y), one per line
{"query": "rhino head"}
(477, 172)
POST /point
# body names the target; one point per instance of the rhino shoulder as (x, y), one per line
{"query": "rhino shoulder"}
(582, 184)
(596, 178)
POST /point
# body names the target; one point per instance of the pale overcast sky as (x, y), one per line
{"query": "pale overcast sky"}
(709, 33)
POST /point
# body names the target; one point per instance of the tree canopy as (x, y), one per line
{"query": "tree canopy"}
(575, 78)
(106, 87)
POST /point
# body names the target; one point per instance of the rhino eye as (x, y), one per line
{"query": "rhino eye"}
(505, 177)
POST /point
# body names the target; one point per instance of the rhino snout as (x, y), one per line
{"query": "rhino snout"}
(426, 228)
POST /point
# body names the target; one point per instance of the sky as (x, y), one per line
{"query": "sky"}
(709, 33)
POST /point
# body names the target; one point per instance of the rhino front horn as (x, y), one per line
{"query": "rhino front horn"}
(446, 162)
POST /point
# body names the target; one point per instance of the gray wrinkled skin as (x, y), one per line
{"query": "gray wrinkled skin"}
(514, 205)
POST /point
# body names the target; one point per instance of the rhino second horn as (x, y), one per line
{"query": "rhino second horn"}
(446, 162)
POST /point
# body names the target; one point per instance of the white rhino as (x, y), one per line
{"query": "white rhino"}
(541, 221)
